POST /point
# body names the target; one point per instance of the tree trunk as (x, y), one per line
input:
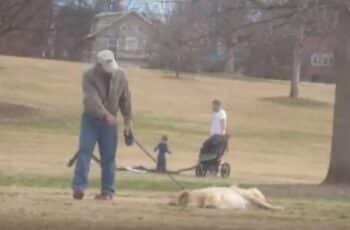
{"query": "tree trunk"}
(178, 66)
(177, 72)
(339, 168)
(230, 64)
(297, 61)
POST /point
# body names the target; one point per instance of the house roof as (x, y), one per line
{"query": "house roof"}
(119, 16)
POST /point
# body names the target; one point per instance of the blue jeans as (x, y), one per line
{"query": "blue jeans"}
(94, 130)
(161, 163)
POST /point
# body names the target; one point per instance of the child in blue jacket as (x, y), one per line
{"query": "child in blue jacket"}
(162, 149)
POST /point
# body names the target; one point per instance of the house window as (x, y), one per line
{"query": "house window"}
(220, 49)
(322, 59)
(254, 16)
(127, 28)
(103, 24)
(131, 44)
(124, 28)
(138, 29)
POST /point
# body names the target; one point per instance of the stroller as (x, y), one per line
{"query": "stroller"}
(210, 157)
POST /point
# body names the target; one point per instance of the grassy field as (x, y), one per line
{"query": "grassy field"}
(277, 144)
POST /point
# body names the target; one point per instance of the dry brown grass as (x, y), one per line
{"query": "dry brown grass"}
(41, 209)
(274, 140)
(271, 141)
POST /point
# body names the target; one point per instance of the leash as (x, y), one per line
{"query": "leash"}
(72, 161)
(129, 140)
(149, 155)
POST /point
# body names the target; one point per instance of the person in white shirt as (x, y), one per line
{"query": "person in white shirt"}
(219, 121)
(218, 139)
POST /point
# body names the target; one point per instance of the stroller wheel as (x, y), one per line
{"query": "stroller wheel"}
(225, 170)
(201, 171)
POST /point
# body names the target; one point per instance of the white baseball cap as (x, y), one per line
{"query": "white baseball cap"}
(105, 55)
(107, 60)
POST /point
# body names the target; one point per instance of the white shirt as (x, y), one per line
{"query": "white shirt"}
(216, 123)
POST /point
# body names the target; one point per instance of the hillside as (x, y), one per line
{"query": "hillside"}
(278, 145)
(41, 104)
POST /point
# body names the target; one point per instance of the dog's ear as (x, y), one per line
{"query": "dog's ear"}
(183, 198)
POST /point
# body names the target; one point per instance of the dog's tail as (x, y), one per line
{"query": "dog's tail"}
(267, 206)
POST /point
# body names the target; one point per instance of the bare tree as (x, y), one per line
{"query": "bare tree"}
(339, 168)
(258, 20)
(72, 23)
(179, 39)
(24, 26)
(108, 5)
(308, 14)
(21, 14)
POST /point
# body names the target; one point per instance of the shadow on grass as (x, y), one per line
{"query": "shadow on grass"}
(160, 183)
(283, 135)
(127, 182)
(182, 77)
(245, 78)
(300, 102)
(10, 111)
(305, 191)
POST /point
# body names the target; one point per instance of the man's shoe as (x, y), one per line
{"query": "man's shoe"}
(104, 196)
(78, 195)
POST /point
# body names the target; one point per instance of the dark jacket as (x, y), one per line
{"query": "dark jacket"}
(162, 149)
(101, 97)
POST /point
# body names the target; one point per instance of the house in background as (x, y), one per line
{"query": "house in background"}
(128, 34)
(318, 59)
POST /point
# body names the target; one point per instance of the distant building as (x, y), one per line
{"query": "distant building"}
(318, 59)
(127, 34)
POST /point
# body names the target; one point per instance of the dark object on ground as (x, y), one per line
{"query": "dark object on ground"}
(129, 138)
(210, 156)
(78, 195)
(185, 169)
(144, 150)
(72, 161)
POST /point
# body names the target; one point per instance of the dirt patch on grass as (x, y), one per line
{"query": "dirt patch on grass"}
(10, 111)
(300, 102)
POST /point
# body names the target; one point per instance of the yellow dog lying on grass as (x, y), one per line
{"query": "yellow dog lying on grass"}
(224, 198)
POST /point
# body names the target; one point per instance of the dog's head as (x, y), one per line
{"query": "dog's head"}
(182, 199)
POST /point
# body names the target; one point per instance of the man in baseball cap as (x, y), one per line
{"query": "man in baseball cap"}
(106, 91)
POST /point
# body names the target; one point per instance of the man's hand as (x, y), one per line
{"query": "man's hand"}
(127, 128)
(128, 135)
(110, 119)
